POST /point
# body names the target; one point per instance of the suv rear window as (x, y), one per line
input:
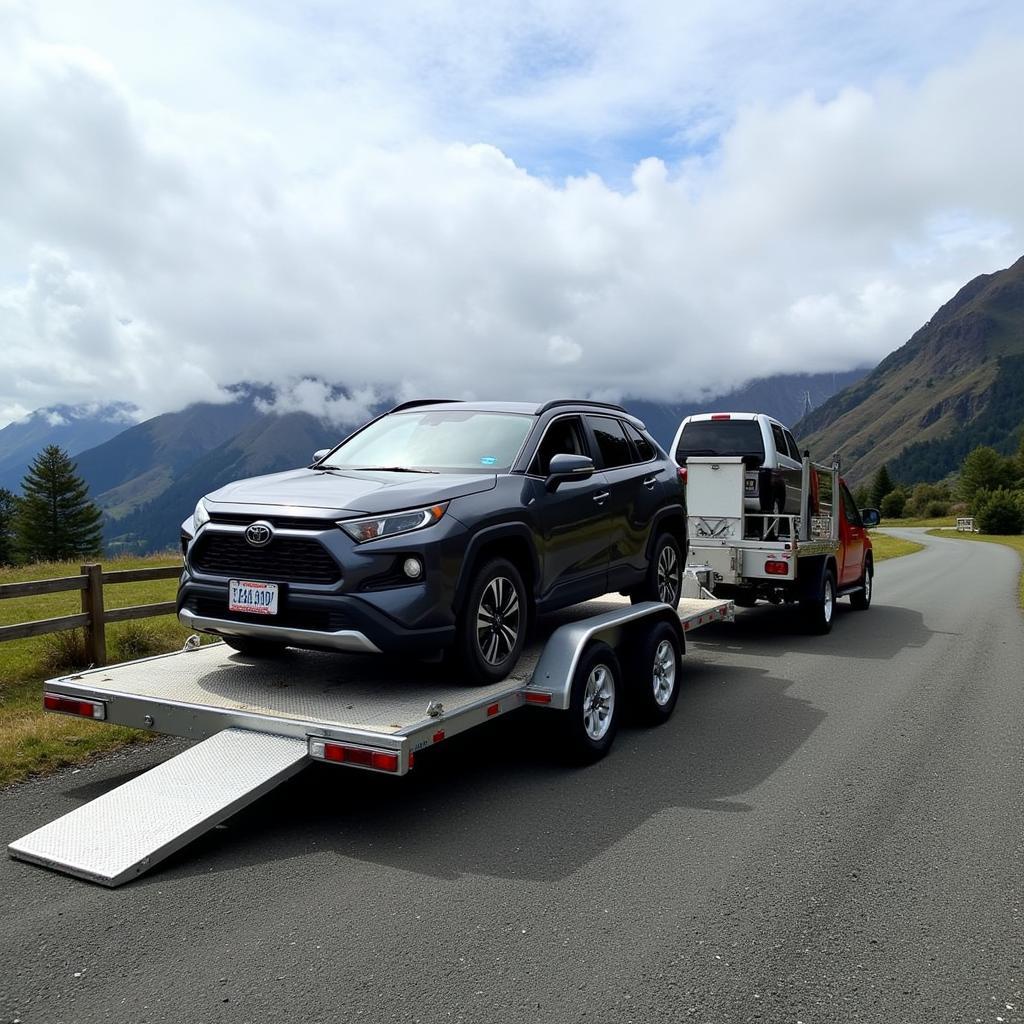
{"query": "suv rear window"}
(720, 437)
(615, 450)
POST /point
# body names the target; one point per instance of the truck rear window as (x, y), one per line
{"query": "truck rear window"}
(720, 437)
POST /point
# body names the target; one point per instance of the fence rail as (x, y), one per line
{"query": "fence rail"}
(93, 617)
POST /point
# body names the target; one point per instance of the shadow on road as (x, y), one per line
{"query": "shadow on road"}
(499, 801)
(775, 632)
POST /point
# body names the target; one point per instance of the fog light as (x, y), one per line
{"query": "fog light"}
(413, 568)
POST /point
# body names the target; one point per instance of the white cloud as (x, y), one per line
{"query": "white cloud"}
(176, 221)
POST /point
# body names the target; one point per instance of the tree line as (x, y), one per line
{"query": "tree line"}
(988, 486)
(53, 519)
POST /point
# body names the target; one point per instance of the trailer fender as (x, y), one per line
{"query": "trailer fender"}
(554, 672)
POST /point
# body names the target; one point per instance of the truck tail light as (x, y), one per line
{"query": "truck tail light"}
(774, 568)
(94, 709)
(721, 416)
(360, 757)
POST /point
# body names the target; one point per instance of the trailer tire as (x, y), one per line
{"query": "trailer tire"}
(497, 591)
(820, 610)
(655, 671)
(588, 727)
(664, 581)
(255, 647)
(861, 599)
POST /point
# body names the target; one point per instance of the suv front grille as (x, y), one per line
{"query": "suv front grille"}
(293, 559)
(322, 620)
(281, 522)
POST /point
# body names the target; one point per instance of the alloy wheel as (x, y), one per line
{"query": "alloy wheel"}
(668, 575)
(498, 620)
(664, 676)
(598, 702)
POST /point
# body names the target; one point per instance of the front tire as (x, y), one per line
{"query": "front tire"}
(861, 599)
(493, 623)
(588, 728)
(820, 610)
(664, 582)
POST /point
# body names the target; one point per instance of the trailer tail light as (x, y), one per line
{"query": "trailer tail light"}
(535, 697)
(681, 473)
(94, 709)
(774, 568)
(359, 757)
(721, 416)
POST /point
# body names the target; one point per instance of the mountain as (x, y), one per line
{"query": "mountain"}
(958, 382)
(75, 428)
(140, 463)
(783, 396)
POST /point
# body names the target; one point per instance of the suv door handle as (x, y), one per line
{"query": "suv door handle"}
(601, 497)
(650, 481)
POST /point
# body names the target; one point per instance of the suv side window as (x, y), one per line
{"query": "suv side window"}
(852, 512)
(780, 440)
(644, 448)
(612, 442)
(563, 436)
(794, 451)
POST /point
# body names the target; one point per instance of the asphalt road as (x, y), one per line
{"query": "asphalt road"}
(829, 829)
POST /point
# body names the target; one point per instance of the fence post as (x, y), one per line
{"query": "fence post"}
(92, 605)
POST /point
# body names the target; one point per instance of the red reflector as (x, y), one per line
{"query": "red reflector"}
(412, 758)
(334, 752)
(538, 698)
(384, 762)
(776, 568)
(381, 760)
(492, 709)
(439, 735)
(721, 416)
(73, 706)
(681, 471)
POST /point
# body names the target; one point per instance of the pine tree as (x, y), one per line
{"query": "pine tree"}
(881, 486)
(56, 521)
(984, 469)
(8, 508)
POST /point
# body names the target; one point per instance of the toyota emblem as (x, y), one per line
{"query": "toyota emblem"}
(259, 534)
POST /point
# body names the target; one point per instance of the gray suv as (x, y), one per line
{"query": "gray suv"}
(439, 526)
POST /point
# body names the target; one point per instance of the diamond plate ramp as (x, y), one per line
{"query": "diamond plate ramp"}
(123, 833)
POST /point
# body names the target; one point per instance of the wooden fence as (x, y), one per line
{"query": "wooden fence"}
(93, 617)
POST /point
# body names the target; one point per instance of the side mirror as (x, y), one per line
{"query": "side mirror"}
(871, 516)
(568, 467)
(319, 454)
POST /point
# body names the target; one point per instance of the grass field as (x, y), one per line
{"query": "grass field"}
(949, 521)
(884, 546)
(1017, 543)
(32, 740)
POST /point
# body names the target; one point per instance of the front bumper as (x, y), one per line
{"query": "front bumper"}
(350, 640)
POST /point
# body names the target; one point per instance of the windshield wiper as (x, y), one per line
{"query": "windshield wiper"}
(383, 469)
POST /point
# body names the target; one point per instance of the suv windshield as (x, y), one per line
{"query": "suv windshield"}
(720, 437)
(461, 440)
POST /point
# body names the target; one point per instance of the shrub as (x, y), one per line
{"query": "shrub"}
(936, 509)
(892, 505)
(925, 495)
(137, 640)
(64, 652)
(1000, 511)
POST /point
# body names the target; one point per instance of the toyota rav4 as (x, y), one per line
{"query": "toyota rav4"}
(439, 526)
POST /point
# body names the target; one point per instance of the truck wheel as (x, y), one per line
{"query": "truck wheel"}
(861, 599)
(492, 627)
(254, 647)
(589, 726)
(655, 671)
(819, 611)
(664, 580)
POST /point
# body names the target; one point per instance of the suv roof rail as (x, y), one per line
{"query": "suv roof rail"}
(556, 402)
(422, 401)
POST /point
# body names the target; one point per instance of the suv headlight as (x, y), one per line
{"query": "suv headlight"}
(201, 516)
(374, 527)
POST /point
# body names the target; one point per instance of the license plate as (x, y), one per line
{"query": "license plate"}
(252, 598)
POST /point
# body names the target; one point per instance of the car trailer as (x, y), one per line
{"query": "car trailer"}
(259, 721)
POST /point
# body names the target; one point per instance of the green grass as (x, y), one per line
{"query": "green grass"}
(884, 546)
(949, 521)
(1017, 543)
(32, 740)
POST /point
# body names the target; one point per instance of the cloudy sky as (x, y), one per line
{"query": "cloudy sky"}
(645, 199)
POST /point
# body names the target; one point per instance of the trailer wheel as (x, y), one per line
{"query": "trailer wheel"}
(664, 580)
(655, 672)
(254, 647)
(589, 726)
(861, 599)
(819, 611)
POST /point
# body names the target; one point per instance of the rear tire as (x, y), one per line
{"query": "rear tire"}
(819, 611)
(655, 671)
(493, 622)
(588, 728)
(254, 647)
(861, 599)
(664, 581)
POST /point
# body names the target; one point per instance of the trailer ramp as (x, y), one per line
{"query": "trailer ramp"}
(123, 833)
